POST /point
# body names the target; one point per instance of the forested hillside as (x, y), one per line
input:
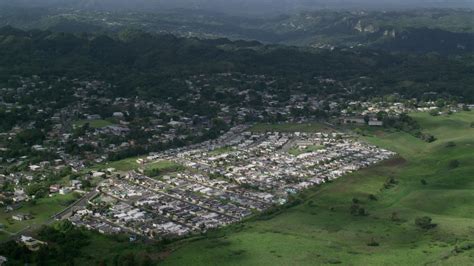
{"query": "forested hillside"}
(134, 59)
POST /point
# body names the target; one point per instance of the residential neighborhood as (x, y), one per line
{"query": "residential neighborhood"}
(216, 169)
(224, 185)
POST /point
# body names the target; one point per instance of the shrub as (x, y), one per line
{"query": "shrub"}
(434, 112)
(428, 137)
(354, 209)
(425, 222)
(373, 243)
(453, 164)
(357, 210)
(372, 197)
(362, 212)
(464, 247)
(423, 182)
(334, 261)
(390, 182)
(394, 217)
(450, 144)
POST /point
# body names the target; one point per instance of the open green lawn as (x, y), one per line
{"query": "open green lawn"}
(162, 165)
(321, 230)
(121, 165)
(4, 236)
(290, 127)
(93, 123)
(220, 151)
(41, 211)
(131, 164)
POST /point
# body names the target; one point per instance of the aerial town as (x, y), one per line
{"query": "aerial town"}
(236, 132)
(222, 185)
(217, 170)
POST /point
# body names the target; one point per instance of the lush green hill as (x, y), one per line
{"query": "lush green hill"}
(158, 64)
(321, 230)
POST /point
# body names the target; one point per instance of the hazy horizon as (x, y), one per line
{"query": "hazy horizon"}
(240, 6)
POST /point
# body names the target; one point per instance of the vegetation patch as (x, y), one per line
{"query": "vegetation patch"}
(99, 123)
(221, 150)
(290, 127)
(161, 168)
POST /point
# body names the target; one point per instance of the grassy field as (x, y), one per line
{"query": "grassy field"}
(4, 236)
(290, 127)
(162, 165)
(221, 150)
(93, 123)
(121, 165)
(131, 164)
(105, 249)
(321, 230)
(41, 211)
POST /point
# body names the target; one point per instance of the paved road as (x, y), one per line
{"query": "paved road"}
(82, 202)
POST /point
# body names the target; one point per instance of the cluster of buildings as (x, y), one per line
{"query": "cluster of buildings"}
(229, 98)
(222, 185)
(48, 133)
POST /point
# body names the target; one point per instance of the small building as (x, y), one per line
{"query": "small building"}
(110, 170)
(54, 188)
(3, 260)
(375, 123)
(94, 117)
(77, 184)
(31, 243)
(118, 114)
(176, 124)
(35, 167)
(98, 174)
(64, 191)
(21, 217)
(19, 195)
(38, 148)
(353, 120)
(12, 207)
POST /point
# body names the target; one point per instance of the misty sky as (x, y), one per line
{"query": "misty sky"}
(242, 6)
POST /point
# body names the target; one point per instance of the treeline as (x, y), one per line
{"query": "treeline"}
(409, 125)
(66, 244)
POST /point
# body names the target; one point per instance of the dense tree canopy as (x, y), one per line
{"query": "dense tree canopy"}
(150, 64)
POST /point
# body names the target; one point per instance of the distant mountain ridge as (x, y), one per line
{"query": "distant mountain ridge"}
(452, 30)
(239, 7)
